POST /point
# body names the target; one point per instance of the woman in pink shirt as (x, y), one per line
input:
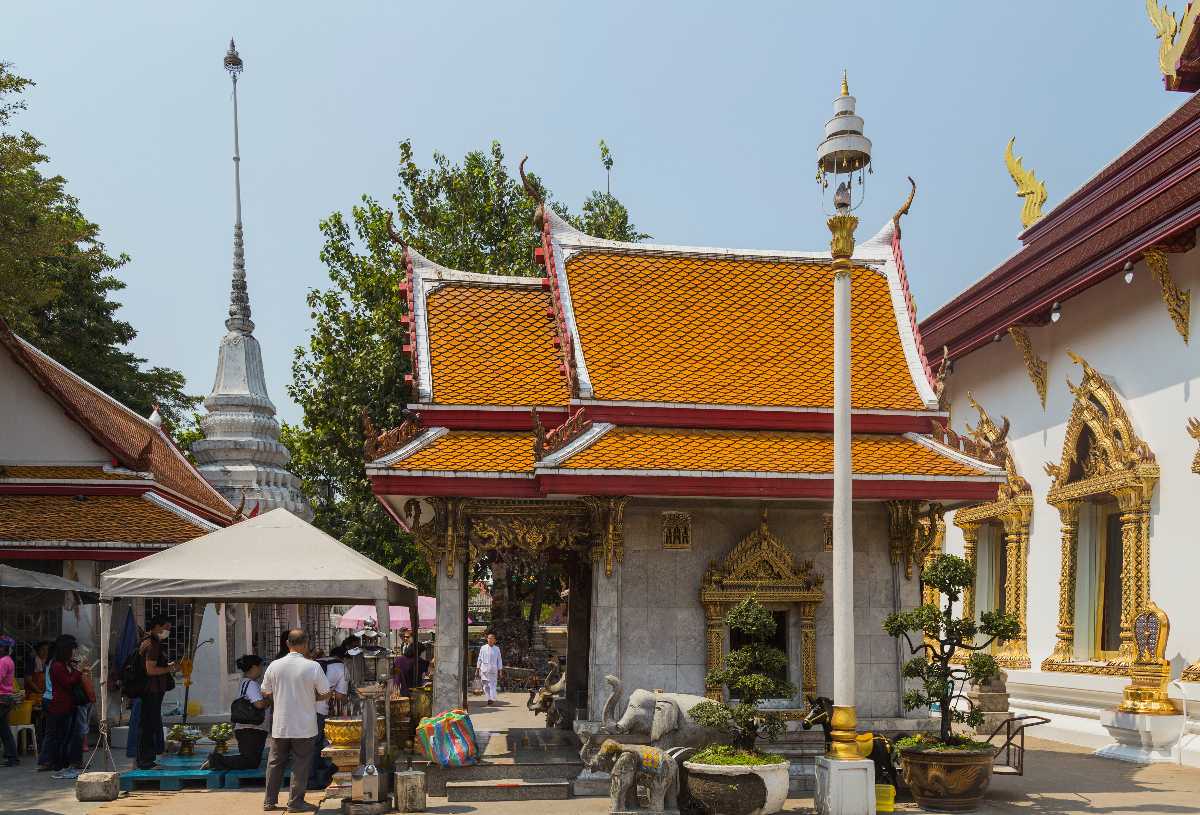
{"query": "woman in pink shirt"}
(7, 671)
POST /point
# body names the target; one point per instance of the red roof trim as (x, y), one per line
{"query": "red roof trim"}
(484, 419)
(130, 487)
(77, 554)
(464, 487)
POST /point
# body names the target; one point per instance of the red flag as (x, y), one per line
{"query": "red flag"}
(254, 511)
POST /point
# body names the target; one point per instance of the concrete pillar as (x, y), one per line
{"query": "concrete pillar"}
(579, 633)
(451, 642)
(605, 636)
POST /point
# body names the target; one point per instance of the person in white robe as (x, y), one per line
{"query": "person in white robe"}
(488, 666)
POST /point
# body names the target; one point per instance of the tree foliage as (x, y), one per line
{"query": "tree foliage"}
(751, 674)
(56, 278)
(472, 215)
(943, 636)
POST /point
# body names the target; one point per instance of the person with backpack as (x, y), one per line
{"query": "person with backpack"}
(251, 717)
(156, 683)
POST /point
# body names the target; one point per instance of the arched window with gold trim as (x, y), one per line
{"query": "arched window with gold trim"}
(996, 541)
(1102, 488)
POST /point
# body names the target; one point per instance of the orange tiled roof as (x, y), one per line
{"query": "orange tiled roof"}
(98, 518)
(132, 440)
(471, 450)
(493, 345)
(646, 448)
(57, 473)
(727, 330)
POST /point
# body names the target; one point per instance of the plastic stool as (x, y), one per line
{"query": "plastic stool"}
(30, 732)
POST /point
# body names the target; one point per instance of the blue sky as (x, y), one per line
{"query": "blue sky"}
(712, 110)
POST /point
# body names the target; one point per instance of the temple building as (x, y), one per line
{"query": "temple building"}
(87, 484)
(1072, 360)
(660, 417)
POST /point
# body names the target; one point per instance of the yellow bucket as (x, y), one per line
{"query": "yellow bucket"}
(885, 798)
(21, 713)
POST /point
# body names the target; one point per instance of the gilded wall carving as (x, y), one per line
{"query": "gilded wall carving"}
(1194, 432)
(1102, 456)
(1012, 509)
(677, 531)
(1178, 301)
(760, 566)
(1035, 366)
(608, 525)
(913, 532)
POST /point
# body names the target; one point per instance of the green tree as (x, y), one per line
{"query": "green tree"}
(56, 277)
(752, 673)
(943, 636)
(472, 215)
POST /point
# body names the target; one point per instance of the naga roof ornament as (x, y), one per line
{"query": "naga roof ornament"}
(1029, 186)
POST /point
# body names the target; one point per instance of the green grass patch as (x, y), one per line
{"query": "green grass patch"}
(725, 755)
(931, 744)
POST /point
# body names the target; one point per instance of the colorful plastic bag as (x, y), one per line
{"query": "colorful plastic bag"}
(449, 739)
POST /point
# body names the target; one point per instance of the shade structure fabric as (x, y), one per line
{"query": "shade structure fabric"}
(272, 558)
(34, 589)
(426, 612)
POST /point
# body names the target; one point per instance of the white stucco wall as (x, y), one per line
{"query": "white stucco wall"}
(649, 626)
(1124, 332)
(34, 429)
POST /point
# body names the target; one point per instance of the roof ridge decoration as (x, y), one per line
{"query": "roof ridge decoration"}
(979, 445)
(546, 442)
(376, 445)
(564, 340)
(1175, 36)
(405, 287)
(1029, 186)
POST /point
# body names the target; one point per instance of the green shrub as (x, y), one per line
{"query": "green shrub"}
(727, 755)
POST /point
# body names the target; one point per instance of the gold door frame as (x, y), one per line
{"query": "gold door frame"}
(1101, 456)
(760, 566)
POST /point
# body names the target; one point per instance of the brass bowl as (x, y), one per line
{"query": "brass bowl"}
(347, 732)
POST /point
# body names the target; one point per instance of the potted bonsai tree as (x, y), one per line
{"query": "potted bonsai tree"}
(737, 779)
(948, 772)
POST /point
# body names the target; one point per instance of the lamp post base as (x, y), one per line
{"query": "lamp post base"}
(843, 730)
(845, 787)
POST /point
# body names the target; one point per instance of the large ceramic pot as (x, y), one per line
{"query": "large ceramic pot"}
(949, 780)
(720, 789)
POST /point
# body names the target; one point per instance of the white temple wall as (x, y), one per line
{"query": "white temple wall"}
(1125, 333)
(34, 429)
(649, 625)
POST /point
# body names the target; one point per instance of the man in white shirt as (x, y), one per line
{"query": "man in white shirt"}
(488, 665)
(295, 684)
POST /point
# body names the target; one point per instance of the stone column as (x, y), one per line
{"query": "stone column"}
(450, 649)
(1064, 649)
(605, 639)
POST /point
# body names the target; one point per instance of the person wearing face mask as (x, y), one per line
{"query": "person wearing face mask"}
(158, 682)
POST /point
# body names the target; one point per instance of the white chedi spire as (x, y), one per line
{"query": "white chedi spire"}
(241, 454)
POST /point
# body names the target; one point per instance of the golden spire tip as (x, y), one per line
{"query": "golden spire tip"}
(845, 84)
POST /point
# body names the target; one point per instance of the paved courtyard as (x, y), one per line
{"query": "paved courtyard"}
(1059, 778)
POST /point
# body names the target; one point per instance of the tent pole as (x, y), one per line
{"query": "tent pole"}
(384, 616)
(105, 635)
(414, 627)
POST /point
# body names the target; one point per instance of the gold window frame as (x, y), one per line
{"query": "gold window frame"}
(1102, 456)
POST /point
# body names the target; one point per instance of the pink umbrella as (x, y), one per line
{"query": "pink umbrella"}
(358, 615)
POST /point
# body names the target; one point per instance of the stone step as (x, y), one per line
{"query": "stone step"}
(437, 778)
(508, 789)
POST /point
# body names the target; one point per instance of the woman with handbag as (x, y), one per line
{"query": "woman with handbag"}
(251, 720)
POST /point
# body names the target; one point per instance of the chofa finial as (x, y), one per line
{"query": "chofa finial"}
(1028, 186)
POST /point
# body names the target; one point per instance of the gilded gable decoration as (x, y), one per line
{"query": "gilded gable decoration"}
(1102, 456)
(1013, 509)
(378, 444)
(1035, 366)
(677, 531)
(760, 566)
(1178, 301)
(1029, 187)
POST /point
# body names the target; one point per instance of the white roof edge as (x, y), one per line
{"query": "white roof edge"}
(956, 455)
(423, 440)
(582, 377)
(905, 322)
(583, 441)
(172, 507)
(766, 474)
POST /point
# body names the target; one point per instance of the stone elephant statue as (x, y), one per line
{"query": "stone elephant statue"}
(634, 765)
(663, 718)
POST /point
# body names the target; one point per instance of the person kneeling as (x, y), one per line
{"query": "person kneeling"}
(251, 719)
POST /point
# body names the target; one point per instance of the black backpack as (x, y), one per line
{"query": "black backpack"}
(134, 680)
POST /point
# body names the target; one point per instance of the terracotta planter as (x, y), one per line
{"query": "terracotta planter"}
(721, 789)
(947, 781)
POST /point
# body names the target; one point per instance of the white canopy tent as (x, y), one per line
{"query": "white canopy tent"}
(273, 558)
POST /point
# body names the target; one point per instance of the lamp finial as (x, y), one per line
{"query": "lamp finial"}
(845, 83)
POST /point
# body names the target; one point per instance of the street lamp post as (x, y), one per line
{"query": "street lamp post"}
(843, 159)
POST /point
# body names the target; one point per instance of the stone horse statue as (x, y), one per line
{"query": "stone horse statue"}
(872, 746)
(550, 699)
